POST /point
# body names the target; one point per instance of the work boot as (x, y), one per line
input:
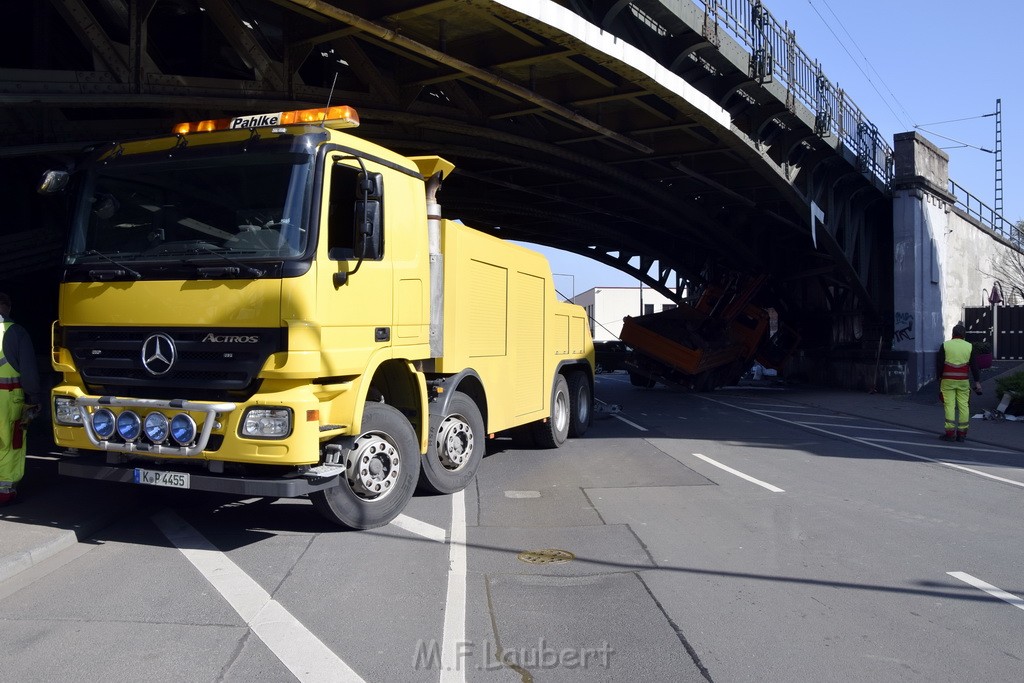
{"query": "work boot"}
(948, 436)
(961, 436)
(7, 498)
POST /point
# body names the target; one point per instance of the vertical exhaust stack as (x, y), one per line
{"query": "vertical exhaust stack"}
(434, 169)
(436, 267)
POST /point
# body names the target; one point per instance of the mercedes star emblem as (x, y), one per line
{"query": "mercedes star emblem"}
(158, 354)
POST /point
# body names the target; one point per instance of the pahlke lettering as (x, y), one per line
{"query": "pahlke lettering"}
(256, 120)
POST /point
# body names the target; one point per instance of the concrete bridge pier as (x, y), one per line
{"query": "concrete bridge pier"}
(920, 210)
(944, 259)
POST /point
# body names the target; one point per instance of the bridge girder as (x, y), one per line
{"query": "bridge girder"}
(613, 164)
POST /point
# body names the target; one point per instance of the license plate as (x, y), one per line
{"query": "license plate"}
(177, 480)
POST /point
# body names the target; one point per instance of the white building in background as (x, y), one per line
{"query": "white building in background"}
(607, 306)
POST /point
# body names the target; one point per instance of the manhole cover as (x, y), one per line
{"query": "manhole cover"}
(546, 556)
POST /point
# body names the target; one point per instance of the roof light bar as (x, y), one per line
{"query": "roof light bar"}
(333, 117)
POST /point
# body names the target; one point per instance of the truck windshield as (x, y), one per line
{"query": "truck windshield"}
(235, 206)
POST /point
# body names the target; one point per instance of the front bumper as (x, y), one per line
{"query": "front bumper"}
(275, 487)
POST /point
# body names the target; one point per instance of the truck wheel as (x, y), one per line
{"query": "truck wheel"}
(382, 466)
(551, 433)
(581, 404)
(638, 380)
(455, 449)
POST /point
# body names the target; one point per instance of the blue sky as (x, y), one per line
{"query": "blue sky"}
(907, 64)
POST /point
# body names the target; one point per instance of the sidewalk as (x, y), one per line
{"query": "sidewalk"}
(53, 513)
(57, 512)
(922, 409)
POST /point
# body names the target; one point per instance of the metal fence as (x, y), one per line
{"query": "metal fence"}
(776, 56)
(984, 214)
(1001, 327)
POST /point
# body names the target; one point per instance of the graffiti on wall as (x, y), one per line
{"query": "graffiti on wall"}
(903, 327)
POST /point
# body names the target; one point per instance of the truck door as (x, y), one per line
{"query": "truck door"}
(355, 293)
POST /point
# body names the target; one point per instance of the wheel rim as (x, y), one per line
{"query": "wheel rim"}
(454, 442)
(561, 411)
(373, 466)
(582, 405)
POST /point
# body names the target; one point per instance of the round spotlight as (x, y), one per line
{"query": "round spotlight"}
(183, 429)
(103, 423)
(156, 427)
(129, 425)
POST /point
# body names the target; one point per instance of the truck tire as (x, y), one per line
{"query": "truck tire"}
(552, 433)
(638, 380)
(383, 467)
(581, 404)
(456, 447)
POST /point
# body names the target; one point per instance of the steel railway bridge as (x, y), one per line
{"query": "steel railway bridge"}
(677, 140)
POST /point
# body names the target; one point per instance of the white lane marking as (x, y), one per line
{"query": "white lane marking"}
(868, 442)
(303, 653)
(613, 379)
(989, 588)
(522, 494)
(454, 639)
(773, 489)
(771, 405)
(631, 424)
(799, 414)
(865, 428)
(420, 528)
(954, 446)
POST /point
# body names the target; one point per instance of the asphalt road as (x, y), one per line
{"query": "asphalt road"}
(732, 536)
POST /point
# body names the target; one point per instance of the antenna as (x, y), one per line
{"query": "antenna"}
(329, 96)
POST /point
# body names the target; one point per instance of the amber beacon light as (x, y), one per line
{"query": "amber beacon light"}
(334, 117)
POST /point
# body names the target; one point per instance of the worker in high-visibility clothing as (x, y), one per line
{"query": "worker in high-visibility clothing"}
(955, 367)
(19, 399)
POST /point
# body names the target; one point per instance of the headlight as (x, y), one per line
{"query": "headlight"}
(103, 423)
(65, 411)
(267, 423)
(183, 429)
(129, 425)
(156, 426)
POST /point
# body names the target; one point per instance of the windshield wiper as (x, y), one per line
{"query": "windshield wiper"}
(243, 267)
(125, 269)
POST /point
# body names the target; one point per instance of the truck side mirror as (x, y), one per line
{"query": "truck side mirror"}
(368, 229)
(53, 182)
(367, 215)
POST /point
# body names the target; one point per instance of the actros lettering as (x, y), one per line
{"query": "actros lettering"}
(231, 338)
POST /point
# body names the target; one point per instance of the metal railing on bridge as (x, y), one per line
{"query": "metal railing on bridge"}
(977, 209)
(775, 55)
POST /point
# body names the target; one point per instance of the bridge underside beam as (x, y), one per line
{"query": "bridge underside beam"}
(634, 133)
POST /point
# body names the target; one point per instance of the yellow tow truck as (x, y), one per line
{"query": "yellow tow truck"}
(270, 305)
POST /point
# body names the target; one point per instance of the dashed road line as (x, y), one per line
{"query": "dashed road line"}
(630, 423)
(420, 528)
(741, 475)
(303, 653)
(988, 588)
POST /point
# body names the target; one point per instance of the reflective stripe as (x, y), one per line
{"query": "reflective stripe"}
(955, 371)
(957, 356)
